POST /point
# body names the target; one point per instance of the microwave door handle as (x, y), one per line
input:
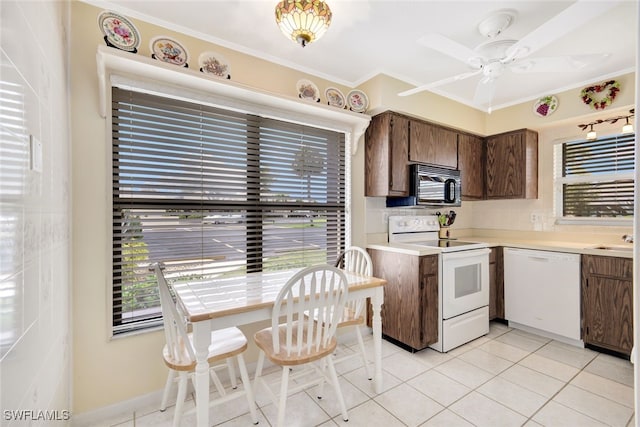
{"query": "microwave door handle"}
(450, 190)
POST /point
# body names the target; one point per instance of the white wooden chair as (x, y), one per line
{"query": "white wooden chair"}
(179, 356)
(301, 339)
(356, 260)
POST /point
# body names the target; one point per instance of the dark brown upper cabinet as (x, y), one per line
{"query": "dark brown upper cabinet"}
(512, 165)
(471, 165)
(386, 155)
(433, 144)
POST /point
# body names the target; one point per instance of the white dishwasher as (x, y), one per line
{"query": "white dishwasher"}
(542, 291)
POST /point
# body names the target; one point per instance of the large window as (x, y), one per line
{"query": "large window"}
(595, 179)
(216, 193)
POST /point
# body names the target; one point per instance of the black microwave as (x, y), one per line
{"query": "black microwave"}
(430, 186)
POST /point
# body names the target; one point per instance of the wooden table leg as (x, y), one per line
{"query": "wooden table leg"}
(201, 342)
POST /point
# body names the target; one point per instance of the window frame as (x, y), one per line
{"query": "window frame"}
(146, 75)
(559, 181)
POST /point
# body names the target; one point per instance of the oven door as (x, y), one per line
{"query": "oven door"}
(465, 281)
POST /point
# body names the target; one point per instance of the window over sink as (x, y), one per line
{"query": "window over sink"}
(594, 180)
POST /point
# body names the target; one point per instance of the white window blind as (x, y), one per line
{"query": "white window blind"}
(216, 193)
(597, 177)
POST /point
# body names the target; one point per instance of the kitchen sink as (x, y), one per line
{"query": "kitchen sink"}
(613, 248)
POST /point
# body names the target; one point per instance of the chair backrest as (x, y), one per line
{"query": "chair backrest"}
(356, 260)
(321, 290)
(175, 324)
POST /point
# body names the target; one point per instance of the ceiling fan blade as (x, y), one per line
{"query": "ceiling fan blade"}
(448, 47)
(440, 82)
(484, 91)
(576, 15)
(557, 63)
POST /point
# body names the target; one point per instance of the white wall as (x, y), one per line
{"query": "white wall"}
(35, 311)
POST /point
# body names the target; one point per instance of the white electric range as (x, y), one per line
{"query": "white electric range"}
(463, 286)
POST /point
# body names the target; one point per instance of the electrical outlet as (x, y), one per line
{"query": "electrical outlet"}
(535, 217)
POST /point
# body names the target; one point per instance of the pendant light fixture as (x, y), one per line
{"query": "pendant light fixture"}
(303, 21)
(627, 128)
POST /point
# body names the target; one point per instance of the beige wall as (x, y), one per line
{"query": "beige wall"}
(35, 240)
(108, 371)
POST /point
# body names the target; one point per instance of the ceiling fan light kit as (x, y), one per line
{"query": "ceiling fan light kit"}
(303, 21)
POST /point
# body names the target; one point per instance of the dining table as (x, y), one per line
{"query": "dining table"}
(222, 302)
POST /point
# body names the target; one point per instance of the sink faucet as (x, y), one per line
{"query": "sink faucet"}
(627, 238)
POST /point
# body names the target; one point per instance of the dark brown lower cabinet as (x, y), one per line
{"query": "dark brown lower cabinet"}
(410, 310)
(607, 303)
(496, 284)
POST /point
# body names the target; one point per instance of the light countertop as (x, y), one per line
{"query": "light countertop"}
(622, 250)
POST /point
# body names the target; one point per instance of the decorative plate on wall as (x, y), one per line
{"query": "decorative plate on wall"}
(545, 106)
(118, 31)
(213, 63)
(166, 49)
(307, 90)
(357, 101)
(335, 98)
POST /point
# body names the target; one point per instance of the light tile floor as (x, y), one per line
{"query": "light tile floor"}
(507, 378)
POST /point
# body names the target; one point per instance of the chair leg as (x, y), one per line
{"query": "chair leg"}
(167, 388)
(246, 383)
(363, 353)
(284, 386)
(336, 386)
(217, 383)
(258, 369)
(320, 391)
(182, 394)
(232, 373)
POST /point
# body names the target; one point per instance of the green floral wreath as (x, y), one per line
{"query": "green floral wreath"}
(612, 86)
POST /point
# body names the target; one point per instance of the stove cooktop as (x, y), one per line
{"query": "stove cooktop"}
(449, 245)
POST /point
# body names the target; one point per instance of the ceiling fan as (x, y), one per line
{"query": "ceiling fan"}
(493, 57)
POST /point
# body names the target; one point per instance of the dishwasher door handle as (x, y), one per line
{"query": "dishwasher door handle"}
(541, 259)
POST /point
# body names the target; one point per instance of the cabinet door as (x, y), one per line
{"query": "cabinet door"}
(607, 303)
(400, 311)
(433, 144)
(386, 154)
(398, 155)
(429, 297)
(505, 177)
(410, 309)
(471, 165)
(512, 165)
(496, 284)
(493, 291)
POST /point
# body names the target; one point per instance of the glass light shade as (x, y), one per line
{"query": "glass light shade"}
(627, 128)
(591, 135)
(303, 21)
